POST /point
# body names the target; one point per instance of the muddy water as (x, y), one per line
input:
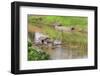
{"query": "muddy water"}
(60, 52)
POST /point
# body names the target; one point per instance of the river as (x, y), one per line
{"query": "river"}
(60, 52)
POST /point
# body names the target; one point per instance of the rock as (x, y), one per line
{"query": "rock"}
(57, 42)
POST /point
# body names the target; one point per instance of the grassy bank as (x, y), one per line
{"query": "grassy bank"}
(68, 38)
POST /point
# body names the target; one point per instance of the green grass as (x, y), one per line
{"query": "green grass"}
(74, 38)
(64, 20)
(70, 39)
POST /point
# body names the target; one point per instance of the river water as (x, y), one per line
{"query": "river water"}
(60, 52)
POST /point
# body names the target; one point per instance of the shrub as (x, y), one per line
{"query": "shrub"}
(36, 54)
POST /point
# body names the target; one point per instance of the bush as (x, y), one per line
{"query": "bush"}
(29, 44)
(36, 54)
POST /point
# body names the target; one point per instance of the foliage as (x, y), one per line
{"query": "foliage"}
(36, 54)
(64, 20)
(72, 38)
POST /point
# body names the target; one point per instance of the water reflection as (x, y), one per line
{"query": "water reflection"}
(60, 52)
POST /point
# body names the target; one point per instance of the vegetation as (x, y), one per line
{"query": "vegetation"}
(36, 54)
(64, 20)
(45, 23)
(70, 39)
